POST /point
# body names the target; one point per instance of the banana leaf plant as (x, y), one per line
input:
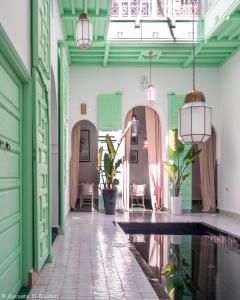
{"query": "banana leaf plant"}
(179, 282)
(178, 165)
(108, 164)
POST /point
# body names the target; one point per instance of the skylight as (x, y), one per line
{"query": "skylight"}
(153, 20)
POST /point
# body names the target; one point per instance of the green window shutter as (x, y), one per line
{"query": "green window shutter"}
(109, 112)
(175, 102)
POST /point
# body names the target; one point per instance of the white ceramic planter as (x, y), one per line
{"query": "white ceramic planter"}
(176, 205)
(176, 239)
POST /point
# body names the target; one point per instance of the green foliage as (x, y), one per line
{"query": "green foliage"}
(107, 167)
(178, 169)
(178, 279)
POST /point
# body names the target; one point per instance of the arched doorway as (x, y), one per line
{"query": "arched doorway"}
(143, 156)
(83, 175)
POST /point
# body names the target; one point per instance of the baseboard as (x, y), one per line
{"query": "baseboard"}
(229, 213)
(32, 278)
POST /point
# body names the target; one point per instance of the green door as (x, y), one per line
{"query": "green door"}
(41, 138)
(41, 171)
(10, 180)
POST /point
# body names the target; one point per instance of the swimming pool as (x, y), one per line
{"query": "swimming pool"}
(187, 260)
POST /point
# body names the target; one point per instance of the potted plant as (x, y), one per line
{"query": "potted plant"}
(108, 168)
(178, 168)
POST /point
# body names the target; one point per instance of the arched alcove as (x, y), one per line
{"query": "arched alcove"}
(86, 148)
(143, 155)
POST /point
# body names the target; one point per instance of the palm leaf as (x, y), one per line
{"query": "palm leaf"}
(118, 163)
(111, 149)
(107, 164)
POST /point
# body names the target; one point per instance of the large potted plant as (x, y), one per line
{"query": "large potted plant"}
(177, 168)
(108, 168)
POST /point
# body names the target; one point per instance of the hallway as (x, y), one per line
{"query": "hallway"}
(92, 259)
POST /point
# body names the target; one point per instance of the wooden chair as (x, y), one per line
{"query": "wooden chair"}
(87, 194)
(137, 192)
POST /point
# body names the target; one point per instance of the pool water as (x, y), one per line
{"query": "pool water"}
(201, 266)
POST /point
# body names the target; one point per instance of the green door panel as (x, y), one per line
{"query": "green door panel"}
(41, 36)
(175, 102)
(109, 112)
(41, 171)
(10, 181)
(63, 125)
(41, 72)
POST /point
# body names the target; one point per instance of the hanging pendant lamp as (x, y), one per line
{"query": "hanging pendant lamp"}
(195, 117)
(134, 126)
(151, 90)
(84, 34)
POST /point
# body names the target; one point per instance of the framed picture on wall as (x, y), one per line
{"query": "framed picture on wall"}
(133, 158)
(134, 140)
(84, 148)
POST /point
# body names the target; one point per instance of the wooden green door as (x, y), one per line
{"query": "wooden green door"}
(41, 138)
(41, 171)
(10, 180)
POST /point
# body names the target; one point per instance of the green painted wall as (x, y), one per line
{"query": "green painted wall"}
(109, 112)
(174, 104)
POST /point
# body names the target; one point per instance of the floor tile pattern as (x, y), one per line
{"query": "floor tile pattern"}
(92, 260)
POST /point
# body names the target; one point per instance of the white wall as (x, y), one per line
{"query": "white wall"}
(229, 167)
(15, 18)
(56, 34)
(87, 83)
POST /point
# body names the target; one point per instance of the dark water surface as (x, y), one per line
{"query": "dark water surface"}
(201, 266)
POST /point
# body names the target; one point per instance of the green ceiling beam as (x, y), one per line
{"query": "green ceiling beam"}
(95, 31)
(190, 59)
(234, 34)
(85, 6)
(60, 5)
(223, 43)
(227, 30)
(66, 16)
(139, 65)
(106, 54)
(87, 56)
(73, 6)
(92, 50)
(97, 7)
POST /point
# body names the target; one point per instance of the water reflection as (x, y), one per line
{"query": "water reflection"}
(192, 267)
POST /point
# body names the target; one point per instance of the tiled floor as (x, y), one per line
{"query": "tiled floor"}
(92, 261)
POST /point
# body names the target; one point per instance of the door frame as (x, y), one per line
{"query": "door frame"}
(10, 54)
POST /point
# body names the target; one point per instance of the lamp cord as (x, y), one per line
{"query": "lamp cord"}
(150, 54)
(193, 44)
